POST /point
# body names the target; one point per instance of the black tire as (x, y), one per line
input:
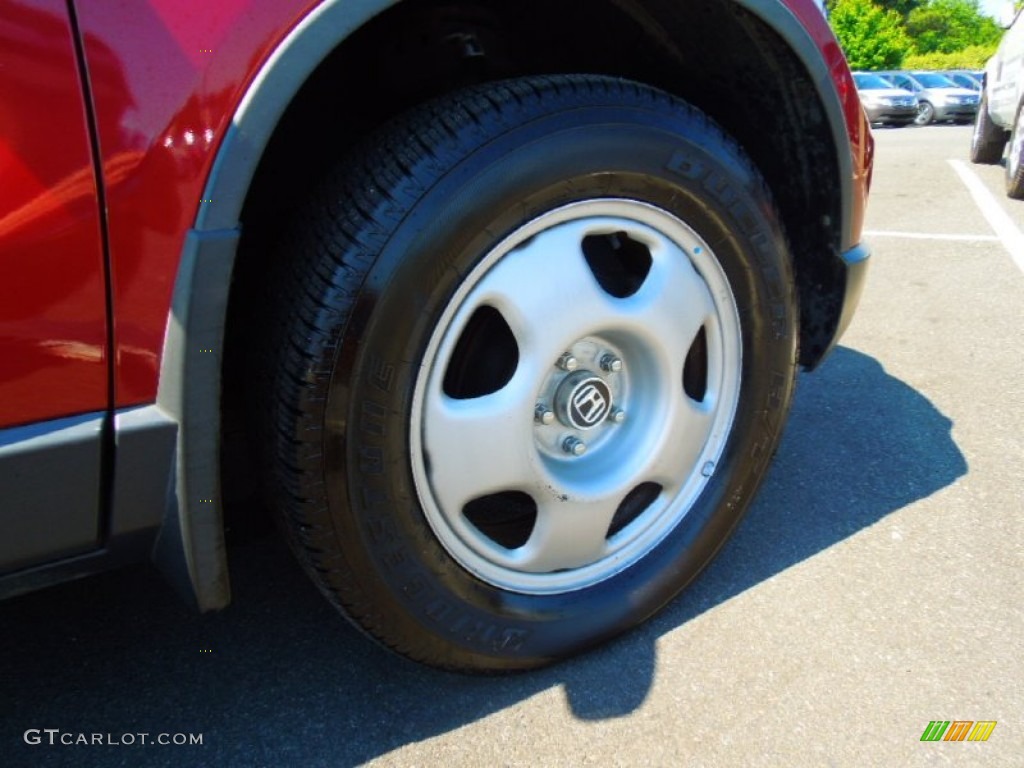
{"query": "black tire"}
(925, 114)
(988, 140)
(385, 257)
(1015, 160)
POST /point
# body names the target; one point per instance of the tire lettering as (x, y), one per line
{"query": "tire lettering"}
(382, 374)
(737, 498)
(720, 187)
(778, 381)
(371, 460)
(763, 250)
(372, 418)
(396, 558)
(763, 253)
(382, 530)
(687, 167)
(757, 450)
(512, 640)
(375, 500)
(437, 609)
(414, 587)
(480, 634)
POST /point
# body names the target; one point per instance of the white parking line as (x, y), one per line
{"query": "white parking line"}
(1008, 232)
(929, 236)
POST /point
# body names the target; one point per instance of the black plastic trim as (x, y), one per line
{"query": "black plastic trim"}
(855, 269)
(120, 550)
(145, 439)
(53, 469)
(50, 490)
(190, 547)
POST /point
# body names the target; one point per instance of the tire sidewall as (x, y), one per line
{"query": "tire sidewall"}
(498, 183)
(1014, 172)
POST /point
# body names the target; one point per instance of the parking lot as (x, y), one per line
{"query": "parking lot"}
(876, 585)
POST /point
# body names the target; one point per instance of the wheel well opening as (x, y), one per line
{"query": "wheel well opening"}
(714, 54)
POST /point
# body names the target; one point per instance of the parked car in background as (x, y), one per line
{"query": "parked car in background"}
(1000, 116)
(939, 98)
(502, 325)
(884, 103)
(968, 80)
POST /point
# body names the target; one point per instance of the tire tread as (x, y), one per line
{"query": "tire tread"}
(320, 269)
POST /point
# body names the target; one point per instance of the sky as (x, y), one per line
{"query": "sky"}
(994, 8)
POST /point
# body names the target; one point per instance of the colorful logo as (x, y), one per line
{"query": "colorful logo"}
(958, 730)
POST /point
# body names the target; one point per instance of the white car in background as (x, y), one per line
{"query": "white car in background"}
(999, 116)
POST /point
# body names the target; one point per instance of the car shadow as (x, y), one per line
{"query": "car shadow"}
(277, 678)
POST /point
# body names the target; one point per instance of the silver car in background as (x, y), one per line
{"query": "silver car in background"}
(965, 79)
(884, 103)
(939, 98)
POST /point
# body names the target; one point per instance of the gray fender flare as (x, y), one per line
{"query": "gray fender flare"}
(189, 547)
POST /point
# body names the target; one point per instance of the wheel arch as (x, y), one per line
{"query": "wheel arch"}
(191, 545)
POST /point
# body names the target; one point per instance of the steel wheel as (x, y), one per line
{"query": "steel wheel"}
(611, 433)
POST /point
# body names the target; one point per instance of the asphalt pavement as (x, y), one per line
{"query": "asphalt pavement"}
(875, 586)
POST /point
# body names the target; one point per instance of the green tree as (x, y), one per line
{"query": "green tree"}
(902, 7)
(871, 37)
(971, 57)
(947, 26)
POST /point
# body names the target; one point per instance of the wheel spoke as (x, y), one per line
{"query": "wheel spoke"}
(547, 293)
(687, 429)
(568, 534)
(479, 446)
(671, 307)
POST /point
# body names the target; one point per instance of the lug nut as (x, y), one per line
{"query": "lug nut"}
(543, 415)
(611, 364)
(617, 416)
(574, 446)
(568, 362)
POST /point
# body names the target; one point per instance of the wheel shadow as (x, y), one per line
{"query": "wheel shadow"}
(279, 679)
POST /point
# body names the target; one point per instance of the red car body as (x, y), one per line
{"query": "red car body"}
(130, 137)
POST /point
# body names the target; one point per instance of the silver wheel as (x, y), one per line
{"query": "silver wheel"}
(596, 426)
(925, 113)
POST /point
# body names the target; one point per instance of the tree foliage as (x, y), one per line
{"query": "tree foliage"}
(902, 7)
(971, 57)
(947, 26)
(871, 37)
